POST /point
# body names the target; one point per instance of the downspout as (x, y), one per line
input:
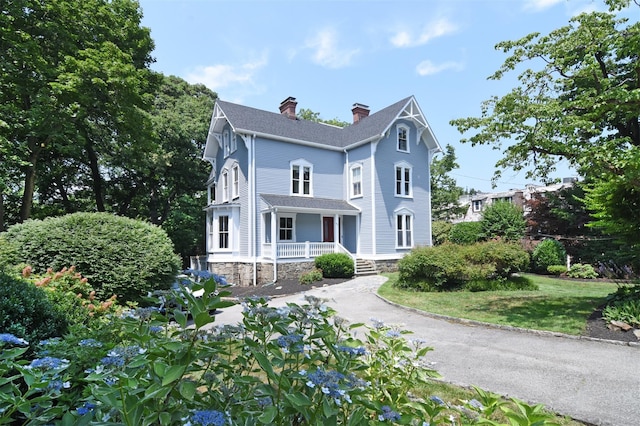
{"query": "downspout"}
(274, 244)
(374, 147)
(252, 194)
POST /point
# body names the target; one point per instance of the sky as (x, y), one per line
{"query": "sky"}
(330, 54)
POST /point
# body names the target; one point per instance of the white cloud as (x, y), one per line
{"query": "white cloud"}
(429, 68)
(539, 5)
(434, 29)
(220, 76)
(326, 50)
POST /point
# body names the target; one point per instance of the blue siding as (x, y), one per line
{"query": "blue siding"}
(362, 155)
(308, 227)
(349, 233)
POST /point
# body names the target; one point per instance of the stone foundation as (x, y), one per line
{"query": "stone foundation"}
(241, 274)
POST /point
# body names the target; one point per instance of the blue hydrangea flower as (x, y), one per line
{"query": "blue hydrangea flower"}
(155, 329)
(393, 333)
(290, 342)
(476, 404)
(377, 324)
(388, 414)
(86, 408)
(331, 383)
(58, 385)
(13, 340)
(90, 343)
(359, 351)
(208, 418)
(48, 363)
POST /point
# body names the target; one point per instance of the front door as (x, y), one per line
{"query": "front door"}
(327, 229)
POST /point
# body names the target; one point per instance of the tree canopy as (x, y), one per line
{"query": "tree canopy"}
(580, 101)
(445, 193)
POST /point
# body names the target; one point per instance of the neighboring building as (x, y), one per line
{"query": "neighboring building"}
(283, 190)
(478, 202)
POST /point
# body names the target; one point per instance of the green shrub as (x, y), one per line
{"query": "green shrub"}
(26, 312)
(452, 266)
(624, 305)
(465, 233)
(440, 230)
(121, 256)
(335, 265)
(556, 269)
(501, 284)
(580, 270)
(310, 277)
(504, 220)
(549, 252)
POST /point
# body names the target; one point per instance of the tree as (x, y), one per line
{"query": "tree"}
(74, 84)
(307, 114)
(445, 193)
(581, 104)
(504, 220)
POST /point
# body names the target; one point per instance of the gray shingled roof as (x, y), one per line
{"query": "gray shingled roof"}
(310, 203)
(252, 120)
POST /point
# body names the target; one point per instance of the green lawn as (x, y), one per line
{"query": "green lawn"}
(559, 305)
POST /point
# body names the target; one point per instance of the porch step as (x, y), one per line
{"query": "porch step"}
(365, 267)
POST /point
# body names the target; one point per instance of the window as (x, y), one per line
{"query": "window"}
(286, 229)
(301, 172)
(235, 172)
(223, 232)
(225, 186)
(403, 228)
(234, 144)
(403, 180)
(356, 181)
(403, 138)
(477, 205)
(225, 143)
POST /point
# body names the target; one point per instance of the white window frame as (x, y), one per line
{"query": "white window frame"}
(225, 143)
(400, 129)
(292, 229)
(300, 165)
(224, 219)
(403, 186)
(404, 226)
(356, 182)
(477, 205)
(225, 186)
(235, 182)
(233, 147)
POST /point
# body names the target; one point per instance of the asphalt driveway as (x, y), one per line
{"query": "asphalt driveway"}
(592, 381)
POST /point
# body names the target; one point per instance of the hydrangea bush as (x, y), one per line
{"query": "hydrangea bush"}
(299, 364)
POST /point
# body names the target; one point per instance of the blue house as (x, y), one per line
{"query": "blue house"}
(283, 190)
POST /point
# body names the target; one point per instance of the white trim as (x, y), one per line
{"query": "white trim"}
(235, 181)
(301, 164)
(404, 166)
(352, 182)
(404, 230)
(293, 226)
(407, 130)
(225, 185)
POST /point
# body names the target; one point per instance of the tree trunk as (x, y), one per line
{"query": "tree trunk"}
(95, 174)
(30, 178)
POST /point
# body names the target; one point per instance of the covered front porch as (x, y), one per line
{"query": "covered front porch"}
(304, 228)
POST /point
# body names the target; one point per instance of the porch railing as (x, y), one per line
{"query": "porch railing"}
(306, 250)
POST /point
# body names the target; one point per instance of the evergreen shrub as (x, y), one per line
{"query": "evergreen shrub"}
(119, 256)
(335, 265)
(584, 271)
(26, 312)
(465, 233)
(556, 269)
(549, 252)
(440, 230)
(451, 266)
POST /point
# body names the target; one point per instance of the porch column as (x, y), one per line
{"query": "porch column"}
(336, 229)
(274, 244)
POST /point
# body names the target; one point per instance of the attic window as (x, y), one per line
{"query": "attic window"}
(403, 138)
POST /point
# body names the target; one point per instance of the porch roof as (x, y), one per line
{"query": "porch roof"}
(310, 204)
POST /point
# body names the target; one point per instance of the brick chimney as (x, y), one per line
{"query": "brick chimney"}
(288, 107)
(359, 111)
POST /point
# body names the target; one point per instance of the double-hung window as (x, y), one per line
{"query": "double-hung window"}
(301, 177)
(356, 181)
(404, 230)
(223, 232)
(403, 138)
(403, 173)
(285, 229)
(235, 188)
(226, 147)
(225, 186)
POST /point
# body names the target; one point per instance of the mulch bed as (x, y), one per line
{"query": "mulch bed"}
(596, 326)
